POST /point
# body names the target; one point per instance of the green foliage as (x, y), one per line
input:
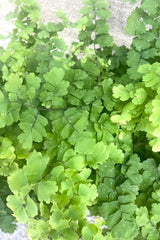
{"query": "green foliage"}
(80, 130)
(6, 218)
(143, 23)
(127, 190)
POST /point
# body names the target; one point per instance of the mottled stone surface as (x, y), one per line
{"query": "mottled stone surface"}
(120, 11)
(19, 234)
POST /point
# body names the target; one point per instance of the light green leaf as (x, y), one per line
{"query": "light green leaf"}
(36, 164)
(55, 83)
(33, 125)
(14, 83)
(156, 145)
(140, 96)
(57, 171)
(152, 74)
(36, 135)
(51, 27)
(134, 23)
(140, 44)
(114, 219)
(31, 93)
(54, 75)
(83, 175)
(29, 2)
(104, 40)
(108, 208)
(148, 230)
(149, 53)
(43, 34)
(60, 14)
(123, 118)
(157, 43)
(18, 182)
(70, 234)
(155, 211)
(79, 74)
(90, 68)
(27, 119)
(66, 131)
(101, 4)
(102, 29)
(42, 227)
(82, 123)
(89, 231)
(88, 193)
(125, 229)
(150, 8)
(57, 222)
(5, 72)
(59, 43)
(31, 207)
(115, 154)
(26, 140)
(76, 162)
(142, 216)
(33, 11)
(85, 145)
(3, 104)
(46, 190)
(156, 132)
(155, 116)
(99, 155)
(102, 13)
(121, 92)
(32, 81)
(76, 212)
(16, 204)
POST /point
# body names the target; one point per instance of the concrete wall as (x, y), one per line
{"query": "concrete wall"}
(120, 11)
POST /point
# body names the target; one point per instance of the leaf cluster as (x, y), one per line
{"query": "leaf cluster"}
(80, 130)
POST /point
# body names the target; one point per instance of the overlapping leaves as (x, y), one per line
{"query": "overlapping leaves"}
(122, 194)
(33, 127)
(69, 126)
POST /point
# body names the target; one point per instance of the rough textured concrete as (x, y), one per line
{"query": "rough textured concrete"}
(5, 27)
(120, 11)
(19, 234)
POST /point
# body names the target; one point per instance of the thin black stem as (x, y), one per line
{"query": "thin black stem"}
(39, 108)
(70, 123)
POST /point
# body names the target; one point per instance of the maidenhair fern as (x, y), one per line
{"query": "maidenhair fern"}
(80, 130)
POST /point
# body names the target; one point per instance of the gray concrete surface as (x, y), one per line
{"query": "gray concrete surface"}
(19, 234)
(120, 11)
